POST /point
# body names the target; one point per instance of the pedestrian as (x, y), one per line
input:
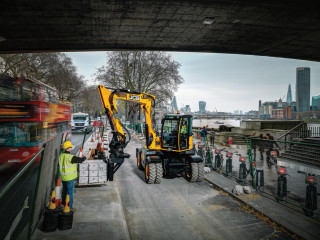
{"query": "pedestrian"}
(68, 172)
(230, 141)
(212, 136)
(261, 146)
(254, 145)
(203, 135)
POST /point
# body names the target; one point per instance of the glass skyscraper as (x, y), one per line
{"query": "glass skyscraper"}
(289, 95)
(303, 89)
(202, 106)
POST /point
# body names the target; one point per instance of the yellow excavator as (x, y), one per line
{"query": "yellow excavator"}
(168, 153)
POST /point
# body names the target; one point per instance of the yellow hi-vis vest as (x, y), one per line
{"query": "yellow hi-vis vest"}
(68, 171)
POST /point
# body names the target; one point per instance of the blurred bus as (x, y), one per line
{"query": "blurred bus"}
(30, 115)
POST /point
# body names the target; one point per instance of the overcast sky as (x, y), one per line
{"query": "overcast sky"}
(226, 82)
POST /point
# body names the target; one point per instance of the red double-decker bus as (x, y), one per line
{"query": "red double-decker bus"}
(30, 115)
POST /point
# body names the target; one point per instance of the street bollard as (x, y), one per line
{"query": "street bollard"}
(209, 157)
(200, 151)
(282, 185)
(260, 179)
(311, 195)
(243, 170)
(229, 164)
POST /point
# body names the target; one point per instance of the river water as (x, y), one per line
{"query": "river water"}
(215, 122)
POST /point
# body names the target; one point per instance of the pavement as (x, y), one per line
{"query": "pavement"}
(127, 208)
(99, 214)
(302, 226)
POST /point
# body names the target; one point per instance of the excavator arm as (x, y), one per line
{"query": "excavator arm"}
(119, 141)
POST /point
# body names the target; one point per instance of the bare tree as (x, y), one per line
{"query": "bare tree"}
(151, 72)
(54, 69)
(88, 101)
(155, 73)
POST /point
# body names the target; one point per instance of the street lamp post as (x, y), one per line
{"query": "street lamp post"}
(139, 84)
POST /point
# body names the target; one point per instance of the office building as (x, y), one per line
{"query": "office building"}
(202, 106)
(303, 89)
(174, 104)
(315, 104)
(289, 95)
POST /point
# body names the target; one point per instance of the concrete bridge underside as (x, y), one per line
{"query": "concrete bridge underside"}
(289, 29)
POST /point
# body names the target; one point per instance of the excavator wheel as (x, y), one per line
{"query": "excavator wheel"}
(139, 164)
(192, 172)
(150, 173)
(200, 171)
(159, 171)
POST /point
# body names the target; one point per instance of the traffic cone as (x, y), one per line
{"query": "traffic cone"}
(101, 148)
(92, 138)
(80, 153)
(67, 206)
(99, 144)
(58, 192)
(52, 204)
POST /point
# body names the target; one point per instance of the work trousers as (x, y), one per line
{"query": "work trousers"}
(68, 187)
(203, 141)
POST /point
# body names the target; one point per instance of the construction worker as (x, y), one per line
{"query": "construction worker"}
(68, 171)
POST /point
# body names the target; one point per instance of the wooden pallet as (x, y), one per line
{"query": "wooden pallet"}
(90, 184)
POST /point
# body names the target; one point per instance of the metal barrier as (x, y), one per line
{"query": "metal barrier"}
(16, 200)
(24, 198)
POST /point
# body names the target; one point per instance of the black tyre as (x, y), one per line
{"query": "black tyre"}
(200, 172)
(192, 172)
(159, 171)
(150, 173)
(139, 164)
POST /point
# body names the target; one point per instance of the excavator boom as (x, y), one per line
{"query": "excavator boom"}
(147, 103)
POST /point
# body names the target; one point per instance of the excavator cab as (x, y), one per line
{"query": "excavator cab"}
(176, 132)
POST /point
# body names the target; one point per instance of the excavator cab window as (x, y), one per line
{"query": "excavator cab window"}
(176, 131)
(184, 133)
(170, 131)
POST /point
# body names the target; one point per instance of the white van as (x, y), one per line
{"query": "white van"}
(81, 122)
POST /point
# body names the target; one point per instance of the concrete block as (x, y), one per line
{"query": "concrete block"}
(83, 173)
(83, 180)
(102, 173)
(102, 178)
(93, 179)
(93, 173)
(93, 166)
(83, 166)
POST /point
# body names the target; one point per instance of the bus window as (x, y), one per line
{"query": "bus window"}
(19, 134)
(8, 91)
(18, 90)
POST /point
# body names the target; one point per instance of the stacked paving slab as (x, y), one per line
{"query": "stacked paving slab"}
(93, 172)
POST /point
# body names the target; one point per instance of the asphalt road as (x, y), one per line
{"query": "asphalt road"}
(177, 209)
(76, 140)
